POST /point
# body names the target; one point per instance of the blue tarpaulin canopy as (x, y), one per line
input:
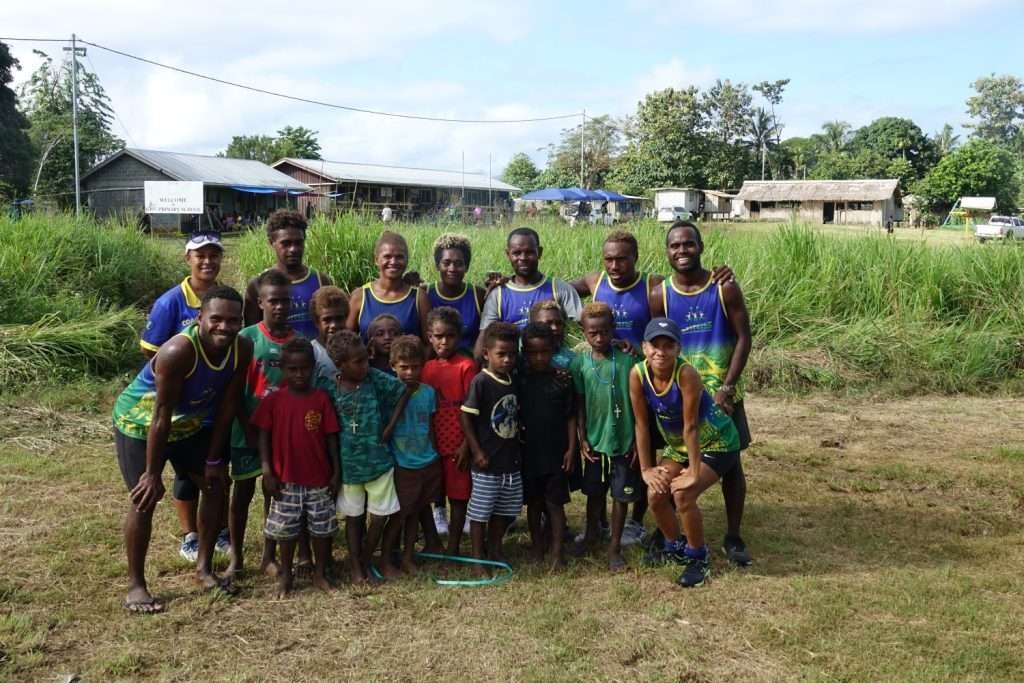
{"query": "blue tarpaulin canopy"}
(610, 196)
(264, 190)
(556, 194)
(586, 194)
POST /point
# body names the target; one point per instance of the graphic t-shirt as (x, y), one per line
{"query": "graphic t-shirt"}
(604, 385)
(546, 402)
(450, 378)
(298, 426)
(411, 443)
(493, 401)
(263, 376)
(363, 413)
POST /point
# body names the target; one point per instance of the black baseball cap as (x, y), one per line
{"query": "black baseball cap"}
(662, 327)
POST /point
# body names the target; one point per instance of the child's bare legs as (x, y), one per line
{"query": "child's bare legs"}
(268, 563)
(304, 552)
(242, 492)
(456, 520)
(374, 531)
(615, 561)
(284, 576)
(354, 532)
(556, 515)
(322, 550)
(431, 540)
(476, 533)
(595, 511)
(534, 506)
(495, 534)
(392, 530)
(410, 527)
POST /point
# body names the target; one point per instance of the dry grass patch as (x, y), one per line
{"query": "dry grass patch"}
(887, 538)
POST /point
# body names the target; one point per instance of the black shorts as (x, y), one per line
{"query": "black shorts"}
(721, 463)
(551, 488)
(616, 474)
(187, 457)
(739, 418)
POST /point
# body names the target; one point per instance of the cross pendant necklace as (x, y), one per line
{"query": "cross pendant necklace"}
(354, 425)
(617, 411)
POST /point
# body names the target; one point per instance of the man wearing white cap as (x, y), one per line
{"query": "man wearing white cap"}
(171, 313)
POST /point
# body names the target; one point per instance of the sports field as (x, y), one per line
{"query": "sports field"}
(884, 510)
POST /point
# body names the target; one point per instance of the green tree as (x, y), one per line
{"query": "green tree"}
(894, 138)
(602, 141)
(46, 99)
(667, 143)
(802, 154)
(729, 110)
(835, 135)
(945, 141)
(15, 145)
(521, 172)
(761, 139)
(978, 168)
(997, 110)
(295, 142)
(298, 143)
(772, 92)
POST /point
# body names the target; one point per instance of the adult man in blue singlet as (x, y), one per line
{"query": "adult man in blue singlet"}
(179, 409)
(286, 233)
(715, 340)
(511, 301)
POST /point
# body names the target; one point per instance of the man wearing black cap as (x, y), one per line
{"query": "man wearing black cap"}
(703, 445)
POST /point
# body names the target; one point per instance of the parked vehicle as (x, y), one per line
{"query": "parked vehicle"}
(671, 214)
(1000, 228)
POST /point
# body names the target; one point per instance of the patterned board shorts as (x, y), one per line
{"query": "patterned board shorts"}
(298, 503)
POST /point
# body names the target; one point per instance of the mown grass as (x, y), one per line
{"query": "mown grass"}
(834, 311)
(895, 557)
(73, 295)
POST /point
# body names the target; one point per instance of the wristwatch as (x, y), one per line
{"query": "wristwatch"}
(728, 389)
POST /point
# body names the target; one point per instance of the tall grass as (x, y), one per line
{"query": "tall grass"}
(829, 311)
(68, 296)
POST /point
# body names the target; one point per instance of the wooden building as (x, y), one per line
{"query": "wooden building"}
(410, 192)
(866, 202)
(250, 189)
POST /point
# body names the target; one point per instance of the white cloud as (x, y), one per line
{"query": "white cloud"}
(833, 16)
(674, 73)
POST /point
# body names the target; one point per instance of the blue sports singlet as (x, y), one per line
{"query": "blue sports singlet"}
(299, 319)
(707, 338)
(717, 432)
(630, 306)
(468, 308)
(200, 394)
(404, 308)
(514, 302)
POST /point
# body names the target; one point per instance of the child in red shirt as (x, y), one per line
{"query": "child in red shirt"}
(450, 374)
(298, 443)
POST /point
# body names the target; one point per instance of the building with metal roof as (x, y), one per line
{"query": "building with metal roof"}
(245, 187)
(410, 192)
(872, 202)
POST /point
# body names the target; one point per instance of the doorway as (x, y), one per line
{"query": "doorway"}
(829, 213)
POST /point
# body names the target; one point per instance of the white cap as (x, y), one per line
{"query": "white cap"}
(203, 239)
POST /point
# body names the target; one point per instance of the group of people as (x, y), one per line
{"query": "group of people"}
(397, 401)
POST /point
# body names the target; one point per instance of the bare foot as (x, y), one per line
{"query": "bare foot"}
(558, 563)
(358, 573)
(390, 571)
(212, 582)
(284, 586)
(270, 568)
(616, 563)
(139, 601)
(481, 571)
(322, 582)
(537, 552)
(234, 570)
(409, 567)
(303, 568)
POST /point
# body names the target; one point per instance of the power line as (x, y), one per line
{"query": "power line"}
(320, 103)
(37, 40)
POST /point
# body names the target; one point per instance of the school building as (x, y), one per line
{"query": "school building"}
(865, 202)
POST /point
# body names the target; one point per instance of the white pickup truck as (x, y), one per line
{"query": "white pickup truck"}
(1000, 228)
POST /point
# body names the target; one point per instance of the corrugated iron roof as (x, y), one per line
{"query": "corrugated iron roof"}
(817, 190)
(219, 171)
(339, 171)
(978, 203)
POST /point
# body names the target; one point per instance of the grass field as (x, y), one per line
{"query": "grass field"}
(887, 537)
(885, 522)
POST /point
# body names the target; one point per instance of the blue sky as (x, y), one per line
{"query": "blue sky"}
(849, 60)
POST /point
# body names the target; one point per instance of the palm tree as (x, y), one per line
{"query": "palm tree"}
(945, 141)
(835, 133)
(761, 135)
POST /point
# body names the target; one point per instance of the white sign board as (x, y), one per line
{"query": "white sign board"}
(173, 196)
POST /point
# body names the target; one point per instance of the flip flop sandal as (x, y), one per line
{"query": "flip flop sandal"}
(153, 606)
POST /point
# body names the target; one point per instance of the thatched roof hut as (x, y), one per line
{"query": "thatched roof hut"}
(823, 201)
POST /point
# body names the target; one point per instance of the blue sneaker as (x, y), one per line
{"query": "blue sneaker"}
(697, 570)
(190, 547)
(223, 544)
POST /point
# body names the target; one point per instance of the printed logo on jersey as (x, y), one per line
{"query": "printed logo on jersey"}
(505, 417)
(313, 420)
(695, 321)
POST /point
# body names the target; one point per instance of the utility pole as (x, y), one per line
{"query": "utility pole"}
(764, 158)
(583, 128)
(75, 52)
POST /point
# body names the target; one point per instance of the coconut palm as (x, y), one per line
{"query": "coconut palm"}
(836, 135)
(945, 141)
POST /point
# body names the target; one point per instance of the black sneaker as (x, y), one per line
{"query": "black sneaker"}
(696, 573)
(736, 551)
